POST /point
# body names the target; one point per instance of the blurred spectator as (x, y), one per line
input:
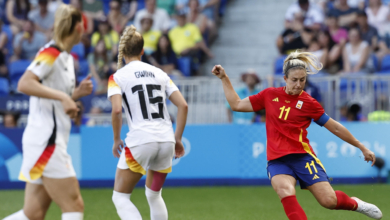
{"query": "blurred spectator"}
(150, 36)
(53, 5)
(346, 14)
(350, 111)
(167, 5)
(110, 37)
(115, 17)
(355, 53)
(295, 37)
(207, 7)
(3, 65)
(339, 35)
(194, 16)
(161, 18)
(382, 114)
(313, 90)
(28, 42)
(94, 8)
(128, 9)
(86, 17)
(370, 34)
(94, 111)
(360, 4)
(378, 16)
(10, 119)
(315, 48)
(99, 66)
(312, 14)
(17, 13)
(164, 58)
(3, 51)
(42, 18)
(250, 79)
(260, 116)
(186, 38)
(332, 60)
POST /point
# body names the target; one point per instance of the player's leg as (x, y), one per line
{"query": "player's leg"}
(283, 181)
(36, 204)
(125, 181)
(66, 193)
(160, 166)
(338, 200)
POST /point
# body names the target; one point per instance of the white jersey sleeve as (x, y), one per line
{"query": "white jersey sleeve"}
(42, 65)
(113, 87)
(170, 87)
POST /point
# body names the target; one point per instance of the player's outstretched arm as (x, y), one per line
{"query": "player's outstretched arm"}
(29, 84)
(342, 132)
(182, 109)
(116, 118)
(234, 100)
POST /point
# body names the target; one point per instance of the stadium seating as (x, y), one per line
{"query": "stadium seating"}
(7, 30)
(385, 67)
(4, 87)
(16, 70)
(79, 51)
(278, 67)
(184, 65)
(84, 68)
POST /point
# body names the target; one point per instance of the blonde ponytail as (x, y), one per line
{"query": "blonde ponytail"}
(131, 44)
(65, 21)
(302, 60)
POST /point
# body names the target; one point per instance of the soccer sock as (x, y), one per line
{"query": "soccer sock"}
(72, 216)
(158, 210)
(292, 208)
(124, 207)
(344, 202)
(17, 216)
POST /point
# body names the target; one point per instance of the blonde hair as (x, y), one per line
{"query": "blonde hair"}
(130, 44)
(66, 18)
(302, 60)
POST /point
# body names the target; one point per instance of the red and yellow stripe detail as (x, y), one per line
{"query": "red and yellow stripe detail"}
(47, 56)
(132, 163)
(112, 83)
(306, 147)
(37, 171)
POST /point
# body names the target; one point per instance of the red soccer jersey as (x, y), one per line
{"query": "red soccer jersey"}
(287, 118)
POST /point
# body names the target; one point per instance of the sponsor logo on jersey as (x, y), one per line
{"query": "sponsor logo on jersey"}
(287, 101)
(299, 104)
(315, 177)
(275, 99)
(141, 74)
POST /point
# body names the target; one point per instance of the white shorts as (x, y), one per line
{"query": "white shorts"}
(52, 161)
(155, 156)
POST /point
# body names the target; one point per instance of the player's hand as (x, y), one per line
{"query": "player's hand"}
(179, 149)
(117, 148)
(70, 107)
(85, 87)
(218, 71)
(369, 156)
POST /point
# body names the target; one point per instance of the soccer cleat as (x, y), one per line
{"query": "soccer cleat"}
(368, 209)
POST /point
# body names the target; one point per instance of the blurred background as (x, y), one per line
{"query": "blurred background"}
(186, 38)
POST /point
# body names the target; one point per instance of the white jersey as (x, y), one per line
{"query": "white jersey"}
(47, 119)
(144, 89)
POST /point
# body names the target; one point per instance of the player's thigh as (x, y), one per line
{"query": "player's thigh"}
(324, 194)
(126, 180)
(155, 180)
(36, 201)
(65, 192)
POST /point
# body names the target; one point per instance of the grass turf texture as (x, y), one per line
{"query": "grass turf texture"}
(214, 203)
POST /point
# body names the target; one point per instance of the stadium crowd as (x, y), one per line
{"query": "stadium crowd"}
(176, 34)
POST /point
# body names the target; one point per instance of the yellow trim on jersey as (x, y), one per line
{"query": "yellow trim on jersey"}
(168, 170)
(22, 177)
(307, 149)
(301, 92)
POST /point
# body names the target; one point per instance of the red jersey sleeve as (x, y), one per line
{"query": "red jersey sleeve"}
(258, 100)
(316, 110)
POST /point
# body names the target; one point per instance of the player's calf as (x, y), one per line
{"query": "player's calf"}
(158, 209)
(328, 201)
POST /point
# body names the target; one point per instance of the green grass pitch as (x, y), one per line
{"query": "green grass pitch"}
(214, 203)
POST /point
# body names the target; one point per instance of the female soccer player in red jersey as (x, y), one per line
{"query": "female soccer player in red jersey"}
(290, 111)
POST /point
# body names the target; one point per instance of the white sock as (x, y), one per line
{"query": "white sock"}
(72, 216)
(124, 207)
(158, 210)
(19, 215)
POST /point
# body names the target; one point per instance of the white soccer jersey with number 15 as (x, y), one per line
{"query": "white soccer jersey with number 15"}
(144, 89)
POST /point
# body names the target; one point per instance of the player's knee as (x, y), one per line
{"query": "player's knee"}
(285, 190)
(328, 202)
(36, 215)
(78, 204)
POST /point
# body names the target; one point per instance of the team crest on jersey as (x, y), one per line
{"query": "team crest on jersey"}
(299, 104)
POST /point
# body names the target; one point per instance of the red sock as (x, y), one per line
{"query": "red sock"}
(292, 208)
(344, 202)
